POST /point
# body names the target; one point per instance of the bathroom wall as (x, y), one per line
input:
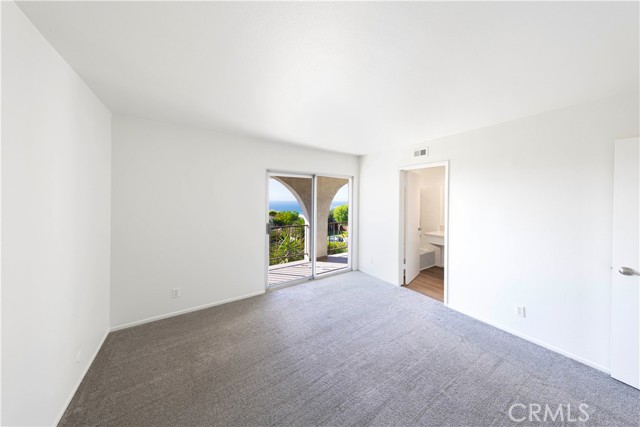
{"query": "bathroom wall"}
(431, 198)
(432, 206)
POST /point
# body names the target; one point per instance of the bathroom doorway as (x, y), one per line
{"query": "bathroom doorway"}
(424, 229)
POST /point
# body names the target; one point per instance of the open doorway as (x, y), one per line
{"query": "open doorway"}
(424, 229)
(308, 227)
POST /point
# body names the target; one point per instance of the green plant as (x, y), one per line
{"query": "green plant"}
(337, 247)
(341, 213)
(287, 218)
(286, 244)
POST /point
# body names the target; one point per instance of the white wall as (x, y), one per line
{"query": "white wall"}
(189, 211)
(56, 225)
(530, 222)
(431, 198)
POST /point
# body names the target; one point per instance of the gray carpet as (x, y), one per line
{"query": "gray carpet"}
(346, 350)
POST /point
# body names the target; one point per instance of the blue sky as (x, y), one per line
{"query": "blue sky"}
(278, 192)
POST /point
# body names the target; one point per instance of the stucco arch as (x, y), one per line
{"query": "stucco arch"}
(327, 190)
(301, 189)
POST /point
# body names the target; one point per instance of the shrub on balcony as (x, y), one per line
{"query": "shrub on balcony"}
(287, 218)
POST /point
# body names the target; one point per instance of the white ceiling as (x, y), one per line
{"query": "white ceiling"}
(351, 77)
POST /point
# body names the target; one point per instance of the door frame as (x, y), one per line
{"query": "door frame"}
(312, 225)
(402, 220)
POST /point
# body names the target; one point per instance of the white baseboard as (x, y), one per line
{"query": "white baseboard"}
(84, 372)
(538, 342)
(179, 312)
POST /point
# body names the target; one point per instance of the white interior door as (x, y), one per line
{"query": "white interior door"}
(412, 226)
(625, 296)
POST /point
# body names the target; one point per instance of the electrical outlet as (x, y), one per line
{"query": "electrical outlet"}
(176, 292)
(520, 311)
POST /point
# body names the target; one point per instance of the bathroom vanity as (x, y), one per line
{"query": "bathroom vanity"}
(436, 238)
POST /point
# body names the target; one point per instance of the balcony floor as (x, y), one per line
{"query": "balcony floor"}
(283, 273)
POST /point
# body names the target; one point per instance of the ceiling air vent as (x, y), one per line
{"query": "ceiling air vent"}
(421, 152)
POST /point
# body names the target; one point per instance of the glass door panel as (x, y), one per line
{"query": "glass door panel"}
(290, 224)
(332, 216)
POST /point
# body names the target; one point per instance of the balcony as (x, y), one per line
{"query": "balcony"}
(289, 251)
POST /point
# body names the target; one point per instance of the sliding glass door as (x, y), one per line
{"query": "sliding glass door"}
(332, 234)
(308, 222)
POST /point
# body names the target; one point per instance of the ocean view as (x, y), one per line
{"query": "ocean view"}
(292, 205)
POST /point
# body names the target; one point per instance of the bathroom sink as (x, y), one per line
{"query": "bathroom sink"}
(435, 237)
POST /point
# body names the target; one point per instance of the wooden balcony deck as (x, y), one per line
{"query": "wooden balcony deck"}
(283, 273)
